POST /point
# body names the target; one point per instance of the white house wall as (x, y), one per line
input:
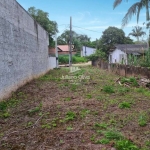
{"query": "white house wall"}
(115, 56)
(88, 50)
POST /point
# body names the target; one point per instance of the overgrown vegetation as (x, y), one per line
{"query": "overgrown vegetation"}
(97, 111)
(64, 59)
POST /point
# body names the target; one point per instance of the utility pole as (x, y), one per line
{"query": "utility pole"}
(70, 56)
(56, 51)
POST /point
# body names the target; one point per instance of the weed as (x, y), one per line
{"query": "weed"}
(124, 105)
(112, 134)
(6, 114)
(3, 105)
(73, 87)
(123, 90)
(131, 80)
(93, 137)
(101, 125)
(67, 99)
(125, 145)
(29, 124)
(69, 128)
(84, 112)
(142, 121)
(35, 110)
(108, 89)
(46, 126)
(70, 116)
(103, 141)
(89, 96)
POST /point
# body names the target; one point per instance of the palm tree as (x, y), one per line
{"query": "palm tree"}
(137, 32)
(134, 10)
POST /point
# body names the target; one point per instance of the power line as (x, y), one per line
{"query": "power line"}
(87, 29)
(80, 28)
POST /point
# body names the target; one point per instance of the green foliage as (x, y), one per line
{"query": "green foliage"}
(101, 125)
(124, 105)
(35, 110)
(112, 134)
(64, 59)
(84, 112)
(69, 128)
(131, 80)
(67, 99)
(124, 144)
(123, 90)
(108, 89)
(142, 121)
(43, 19)
(98, 54)
(103, 141)
(3, 105)
(70, 115)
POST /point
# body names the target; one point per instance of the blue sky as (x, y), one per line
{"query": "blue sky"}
(95, 15)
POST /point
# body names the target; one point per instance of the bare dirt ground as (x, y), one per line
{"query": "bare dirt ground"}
(86, 110)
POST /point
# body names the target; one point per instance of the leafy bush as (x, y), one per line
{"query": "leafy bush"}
(98, 54)
(64, 59)
(125, 145)
(108, 89)
(124, 105)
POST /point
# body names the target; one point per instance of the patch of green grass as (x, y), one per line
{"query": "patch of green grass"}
(69, 128)
(67, 99)
(3, 105)
(84, 112)
(103, 141)
(34, 110)
(131, 80)
(89, 96)
(123, 144)
(108, 89)
(112, 134)
(101, 125)
(142, 121)
(70, 115)
(124, 105)
(47, 125)
(123, 90)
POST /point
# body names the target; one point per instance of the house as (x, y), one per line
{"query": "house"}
(121, 52)
(62, 50)
(86, 51)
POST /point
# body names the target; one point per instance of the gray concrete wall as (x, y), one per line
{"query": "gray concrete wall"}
(23, 48)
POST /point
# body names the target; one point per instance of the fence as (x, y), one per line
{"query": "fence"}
(123, 70)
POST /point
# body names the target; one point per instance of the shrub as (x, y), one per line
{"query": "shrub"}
(108, 89)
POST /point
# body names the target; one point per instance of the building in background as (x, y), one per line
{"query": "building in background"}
(87, 51)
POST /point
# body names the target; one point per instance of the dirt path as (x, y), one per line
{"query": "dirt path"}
(88, 112)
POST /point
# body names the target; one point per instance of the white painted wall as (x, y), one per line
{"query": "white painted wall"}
(88, 50)
(116, 56)
(52, 62)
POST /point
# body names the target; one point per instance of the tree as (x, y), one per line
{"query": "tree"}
(137, 32)
(134, 10)
(77, 40)
(43, 19)
(112, 36)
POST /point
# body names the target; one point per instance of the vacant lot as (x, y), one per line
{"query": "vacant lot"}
(88, 112)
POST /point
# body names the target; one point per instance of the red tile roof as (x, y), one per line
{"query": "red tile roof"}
(64, 48)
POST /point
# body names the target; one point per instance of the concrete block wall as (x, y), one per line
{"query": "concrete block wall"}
(23, 48)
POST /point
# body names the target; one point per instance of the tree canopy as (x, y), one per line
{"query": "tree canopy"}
(137, 32)
(78, 40)
(43, 19)
(111, 36)
(134, 10)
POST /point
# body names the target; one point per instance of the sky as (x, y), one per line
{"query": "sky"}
(90, 17)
